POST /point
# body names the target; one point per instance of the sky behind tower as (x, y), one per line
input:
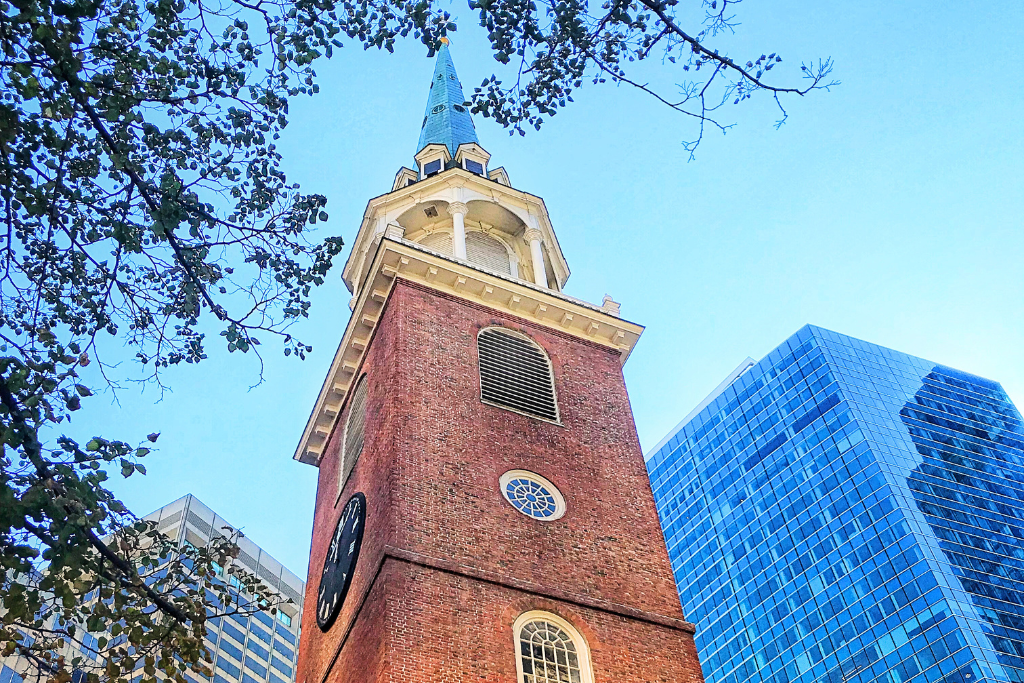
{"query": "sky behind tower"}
(889, 209)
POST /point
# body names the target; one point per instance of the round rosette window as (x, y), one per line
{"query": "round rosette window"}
(532, 495)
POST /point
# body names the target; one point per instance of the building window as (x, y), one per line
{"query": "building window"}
(226, 666)
(489, 252)
(532, 495)
(227, 628)
(9, 675)
(474, 167)
(259, 633)
(432, 168)
(352, 441)
(254, 648)
(281, 666)
(515, 374)
(284, 649)
(284, 618)
(227, 647)
(550, 650)
(255, 667)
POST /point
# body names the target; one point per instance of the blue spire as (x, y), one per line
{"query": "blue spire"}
(446, 120)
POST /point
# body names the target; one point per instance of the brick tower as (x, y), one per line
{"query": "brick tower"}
(483, 510)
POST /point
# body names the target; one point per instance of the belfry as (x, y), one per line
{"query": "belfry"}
(483, 511)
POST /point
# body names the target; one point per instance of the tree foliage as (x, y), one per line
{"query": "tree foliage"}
(556, 45)
(143, 205)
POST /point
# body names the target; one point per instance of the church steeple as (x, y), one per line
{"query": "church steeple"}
(483, 511)
(446, 121)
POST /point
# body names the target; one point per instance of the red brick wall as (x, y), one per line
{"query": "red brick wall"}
(430, 467)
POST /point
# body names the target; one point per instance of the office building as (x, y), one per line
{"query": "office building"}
(257, 649)
(840, 512)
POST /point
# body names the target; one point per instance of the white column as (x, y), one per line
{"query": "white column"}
(535, 238)
(458, 211)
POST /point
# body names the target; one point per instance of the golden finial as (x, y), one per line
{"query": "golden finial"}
(444, 39)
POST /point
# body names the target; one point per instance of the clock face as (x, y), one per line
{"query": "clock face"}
(341, 561)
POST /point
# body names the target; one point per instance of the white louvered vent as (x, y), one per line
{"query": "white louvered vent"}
(247, 559)
(440, 242)
(199, 523)
(268, 577)
(168, 522)
(353, 442)
(488, 252)
(515, 373)
(291, 592)
(193, 538)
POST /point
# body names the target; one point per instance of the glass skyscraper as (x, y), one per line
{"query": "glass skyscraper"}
(844, 513)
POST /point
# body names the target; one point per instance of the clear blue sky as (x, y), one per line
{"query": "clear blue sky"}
(890, 210)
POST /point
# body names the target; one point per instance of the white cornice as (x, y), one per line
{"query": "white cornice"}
(398, 258)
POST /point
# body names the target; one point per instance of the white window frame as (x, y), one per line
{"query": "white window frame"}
(536, 478)
(433, 157)
(582, 649)
(473, 157)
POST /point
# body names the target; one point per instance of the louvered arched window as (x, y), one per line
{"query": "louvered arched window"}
(487, 251)
(550, 650)
(440, 242)
(352, 439)
(515, 373)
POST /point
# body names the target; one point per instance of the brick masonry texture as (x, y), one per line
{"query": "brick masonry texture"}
(429, 469)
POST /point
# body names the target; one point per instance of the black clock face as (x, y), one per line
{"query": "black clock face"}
(341, 561)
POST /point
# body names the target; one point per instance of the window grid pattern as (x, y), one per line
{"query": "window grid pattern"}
(530, 497)
(548, 654)
(251, 647)
(844, 513)
(515, 373)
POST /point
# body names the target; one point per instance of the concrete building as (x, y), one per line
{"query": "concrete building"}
(840, 512)
(257, 649)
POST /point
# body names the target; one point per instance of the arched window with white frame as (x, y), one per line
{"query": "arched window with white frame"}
(550, 650)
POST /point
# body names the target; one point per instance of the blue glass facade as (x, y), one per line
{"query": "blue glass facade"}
(844, 513)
